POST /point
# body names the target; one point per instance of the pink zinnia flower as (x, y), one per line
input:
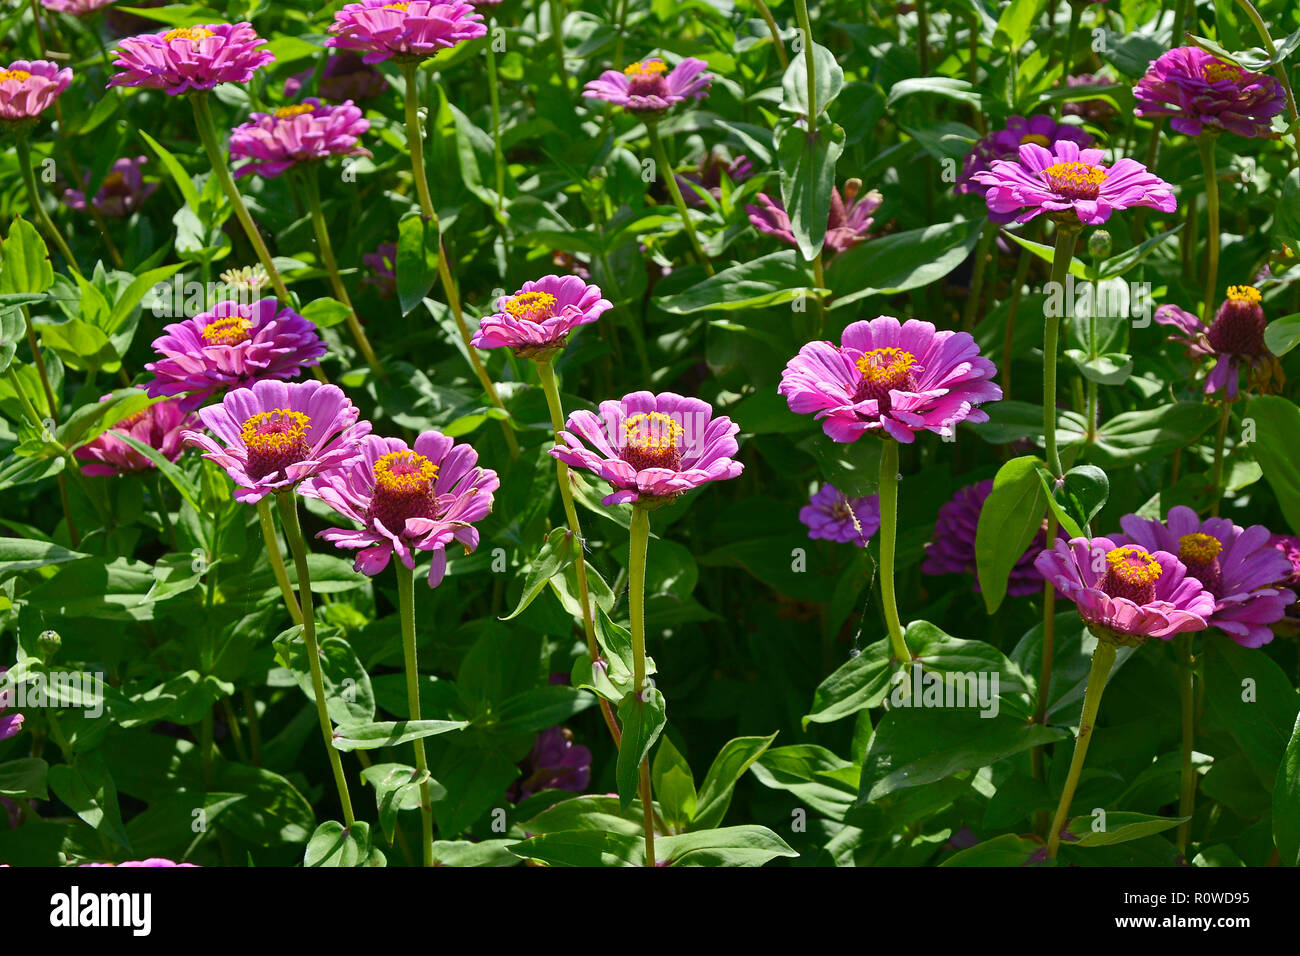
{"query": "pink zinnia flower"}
(1005, 143)
(153, 861)
(1198, 90)
(848, 224)
(75, 8)
(29, 87)
(413, 30)
(407, 500)
(649, 86)
(234, 345)
(1238, 566)
(834, 516)
(1235, 339)
(159, 426)
(303, 133)
(1124, 591)
(539, 317)
(120, 194)
(1070, 182)
(275, 434)
(10, 724)
(651, 447)
(951, 549)
(345, 77)
(1288, 545)
(190, 58)
(890, 377)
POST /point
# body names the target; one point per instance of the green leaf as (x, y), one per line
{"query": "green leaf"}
(748, 845)
(12, 329)
(728, 767)
(673, 785)
(1286, 802)
(1131, 826)
(24, 779)
(807, 167)
(643, 720)
(556, 553)
(183, 181)
(325, 312)
(1016, 23)
(417, 260)
(397, 787)
(1005, 850)
(1084, 492)
(90, 793)
(25, 260)
(1010, 518)
(1249, 697)
(755, 284)
(168, 469)
(901, 261)
(23, 554)
(1277, 423)
(583, 848)
(1134, 437)
(333, 845)
(828, 76)
(392, 733)
(1282, 335)
(953, 89)
(349, 698)
(860, 682)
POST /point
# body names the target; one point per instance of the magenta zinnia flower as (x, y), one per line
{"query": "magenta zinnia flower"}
(1238, 566)
(345, 77)
(413, 30)
(1235, 339)
(234, 345)
(554, 763)
(120, 194)
(275, 434)
(190, 58)
(649, 86)
(709, 177)
(75, 8)
(159, 426)
(951, 549)
(406, 500)
(890, 377)
(1199, 90)
(539, 317)
(303, 133)
(383, 263)
(153, 861)
(1288, 545)
(651, 447)
(1005, 143)
(834, 516)
(1125, 592)
(10, 724)
(1070, 182)
(29, 87)
(848, 224)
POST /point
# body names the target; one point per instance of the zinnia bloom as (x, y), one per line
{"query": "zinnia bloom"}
(302, 133)
(10, 724)
(190, 58)
(832, 515)
(234, 345)
(407, 31)
(153, 861)
(1238, 566)
(120, 194)
(275, 434)
(1125, 592)
(345, 77)
(406, 500)
(651, 448)
(29, 87)
(539, 317)
(1070, 182)
(1198, 90)
(649, 86)
(709, 177)
(383, 263)
(847, 225)
(554, 763)
(160, 426)
(892, 378)
(1235, 339)
(1288, 545)
(75, 8)
(1005, 143)
(951, 549)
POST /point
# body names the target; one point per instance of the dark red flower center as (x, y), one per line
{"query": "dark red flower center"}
(653, 440)
(1238, 326)
(1131, 573)
(1075, 180)
(1200, 552)
(647, 78)
(403, 489)
(275, 440)
(884, 369)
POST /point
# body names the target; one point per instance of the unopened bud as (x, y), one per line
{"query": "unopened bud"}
(48, 645)
(1099, 244)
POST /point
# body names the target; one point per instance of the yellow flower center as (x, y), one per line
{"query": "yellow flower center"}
(405, 473)
(1198, 548)
(1038, 139)
(1244, 294)
(297, 109)
(1075, 180)
(650, 67)
(887, 366)
(654, 432)
(114, 180)
(1133, 566)
(531, 306)
(397, 6)
(1217, 72)
(276, 431)
(230, 330)
(19, 75)
(193, 34)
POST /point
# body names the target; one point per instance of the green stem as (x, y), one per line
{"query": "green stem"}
(666, 170)
(406, 607)
(288, 505)
(39, 361)
(923, 36)
(1008, 335)
(989, 234)
(212, 145)
(1187, 701)
(557, 34)
(1216, 470)
(164, 513)
(620, 32)
(888, 539)
(34, 197)
(1206, 142)
(1066, 234)
(498, 155)
(1279, 69)
(638, 541)
(1103, 659)
(277, 559)
(1067, 56)
(766, 14)
(809, 61)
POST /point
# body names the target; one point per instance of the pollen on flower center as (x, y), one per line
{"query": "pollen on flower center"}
(193, 34)
(884, 370)
(1200, 552)
(652, 441)
(1075, 180)
(397, 6)
(231, 330)
(1131, 573)
(531, 306)
(647, 78)
(297, 109)
(1217, 72)
(646, 66)
(19, 75)
(275, 440)
(1038, 139)
(1245, 294)
(403, 489)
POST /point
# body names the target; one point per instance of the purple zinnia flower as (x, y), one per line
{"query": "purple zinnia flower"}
(847, 225)
(1124, 591)
(951, 549)
(554, 763)
(890, 377)
(10, 724)
(121, 193)
(1199, 90)
(649, 86)
(383, 263)
(1005, 143)
(190, 58)
(651, 447)
(407, 31)
(709, 177)
(159, 426)
(345, 77)
(275, 434)
(302, 133)
(834, 516)
(539, 317)
(28, 88)
(234, 345)
(75, 8)
(1070, 182)
(406, 500)
(1238, 566)
(153, 861)
(1235, 339)
(1288, 545)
